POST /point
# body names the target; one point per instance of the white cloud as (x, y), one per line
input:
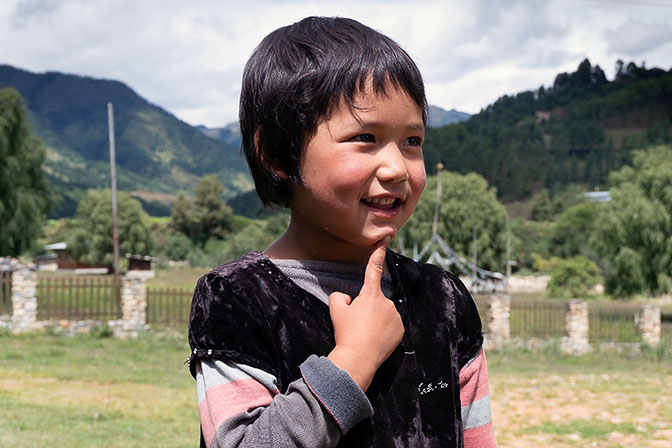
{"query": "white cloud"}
(188, 57)
(634, 37)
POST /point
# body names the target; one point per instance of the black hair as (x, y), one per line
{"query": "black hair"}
(294, 78)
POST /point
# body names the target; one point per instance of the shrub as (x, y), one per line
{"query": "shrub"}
(573, 277)
(177, 246)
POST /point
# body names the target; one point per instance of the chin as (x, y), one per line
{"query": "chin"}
(375, 238)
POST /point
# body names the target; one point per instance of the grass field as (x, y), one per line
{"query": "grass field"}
(85, 391)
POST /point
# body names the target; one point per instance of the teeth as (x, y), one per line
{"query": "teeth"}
(380, 201)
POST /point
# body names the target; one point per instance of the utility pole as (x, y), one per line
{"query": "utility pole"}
(115, 227)
(435, 221)
(473, 279)
(508, 247)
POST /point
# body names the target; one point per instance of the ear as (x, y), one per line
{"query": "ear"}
(276, 171)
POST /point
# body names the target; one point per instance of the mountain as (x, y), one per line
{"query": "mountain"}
(231, 132)
(441, 117)
(158, 155)
(575, 132)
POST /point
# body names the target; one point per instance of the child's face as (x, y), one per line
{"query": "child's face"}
(363, 172)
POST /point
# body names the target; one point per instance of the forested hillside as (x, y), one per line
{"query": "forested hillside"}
(576, 131)
(157, 154)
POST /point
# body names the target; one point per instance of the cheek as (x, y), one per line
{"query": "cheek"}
(338, 183)
(346, 177)
(418, 179)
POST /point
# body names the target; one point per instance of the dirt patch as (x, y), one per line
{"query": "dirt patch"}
(582, 411)
(148, 196)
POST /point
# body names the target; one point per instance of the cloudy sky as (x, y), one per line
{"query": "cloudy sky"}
(188, 56)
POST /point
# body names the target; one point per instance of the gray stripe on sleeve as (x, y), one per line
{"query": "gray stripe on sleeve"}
(217, 373)
(294, 419)
(477, 413)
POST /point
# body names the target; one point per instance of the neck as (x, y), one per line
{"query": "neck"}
(302, 244)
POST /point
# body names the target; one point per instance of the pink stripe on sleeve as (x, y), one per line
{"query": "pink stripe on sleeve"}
(227, 400)
(474, 381)
(480, 437)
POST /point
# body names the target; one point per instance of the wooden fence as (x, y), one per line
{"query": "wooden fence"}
(5, 292)
(537, 319)
(168, 306)
(608, 322)
(77, 298)
(613, 322)
(92, 298)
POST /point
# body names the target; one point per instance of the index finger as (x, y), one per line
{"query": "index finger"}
(374, 268)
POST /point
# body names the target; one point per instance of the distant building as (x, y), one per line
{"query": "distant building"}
(60, 260)
(597, 196)
(139, 262)
(541, 116)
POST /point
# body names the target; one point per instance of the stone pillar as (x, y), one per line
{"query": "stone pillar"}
(24, 299)
(576, 341)
(499, 321)
(133, 304)
(649, 324)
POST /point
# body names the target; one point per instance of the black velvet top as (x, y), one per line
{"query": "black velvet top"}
(249, 312)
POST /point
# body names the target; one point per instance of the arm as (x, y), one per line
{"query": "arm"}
(366, 332)
(367, 329)
(475, 402)
(241, 406)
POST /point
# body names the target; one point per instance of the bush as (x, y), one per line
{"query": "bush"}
(541, 264)
(177, 246)
(573, 277)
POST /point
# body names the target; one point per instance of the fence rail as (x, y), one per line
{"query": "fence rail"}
(77, 298)
(537, 318)
(608, 322)
(168, 306)
(666, 324)
(93, 298)
(5, 292)
(613, 322)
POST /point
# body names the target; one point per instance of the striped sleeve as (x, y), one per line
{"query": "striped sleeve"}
(475, 401)
(242, 406)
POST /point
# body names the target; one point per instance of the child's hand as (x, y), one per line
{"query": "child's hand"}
(367, 330)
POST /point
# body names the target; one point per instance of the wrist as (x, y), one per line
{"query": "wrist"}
(360, 367)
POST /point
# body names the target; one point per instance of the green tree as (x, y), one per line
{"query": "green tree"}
(204, 217)
(531, 241)
(177, 246)
(90, 237)
(24, 194)
(542, 206)
(466, 204)
(573, 277)
(573, 229)
(633, 233)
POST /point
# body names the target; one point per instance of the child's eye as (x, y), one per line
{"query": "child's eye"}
(366, 138)
(414, 141)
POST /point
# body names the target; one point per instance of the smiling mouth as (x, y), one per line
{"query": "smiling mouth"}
(383, 203)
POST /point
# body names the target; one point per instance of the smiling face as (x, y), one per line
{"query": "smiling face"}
(363, 174)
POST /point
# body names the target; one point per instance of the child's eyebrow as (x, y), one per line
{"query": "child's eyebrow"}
(378, 124)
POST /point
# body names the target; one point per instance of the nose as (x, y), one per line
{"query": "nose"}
(392, 166)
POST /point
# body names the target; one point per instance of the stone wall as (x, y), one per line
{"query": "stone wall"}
(649, 324)
(499, 318)
(530, 283)
(575, 341)
(24, 305)
(133, 304)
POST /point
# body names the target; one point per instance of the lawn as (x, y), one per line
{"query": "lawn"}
(85, 391)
